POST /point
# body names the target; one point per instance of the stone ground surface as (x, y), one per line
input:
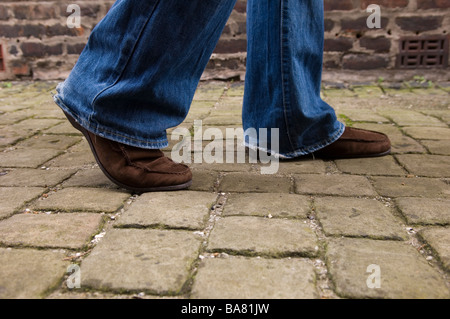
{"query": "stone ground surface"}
(359, 228)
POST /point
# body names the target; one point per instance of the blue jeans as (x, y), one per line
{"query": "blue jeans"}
(142, 64)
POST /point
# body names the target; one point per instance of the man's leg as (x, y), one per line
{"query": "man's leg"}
(283, 80)
(136, 78)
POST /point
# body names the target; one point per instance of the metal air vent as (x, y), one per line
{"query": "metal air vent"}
(423, 52)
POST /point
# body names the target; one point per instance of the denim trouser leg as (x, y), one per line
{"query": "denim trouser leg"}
(140, 69)
(141, 66)
(284, 66)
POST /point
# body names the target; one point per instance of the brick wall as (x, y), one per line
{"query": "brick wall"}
(36, 42)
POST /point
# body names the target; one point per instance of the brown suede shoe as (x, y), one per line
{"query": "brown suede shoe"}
(356, 143)
(136, 169)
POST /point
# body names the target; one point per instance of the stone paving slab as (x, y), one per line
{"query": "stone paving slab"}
(363, 115)
(267, 235)
(263, 205)
(356, 217)
(300, 167)
(439, 147)
(258, 236)
(411, 118)
(188, 210)
(415, 187)
(425, 210)
(344, 185)
(439, 240)
(141, 259)
(13, 198)
(77, 156)
(83, 199)
(28, 273)
(34, 177)
(204, 181)
(89, 178)
(60, 142)
(370, 166)
(443, 115)
(71, 231)
(249, 183)
(64, 128)
(400, 143)
(27, 157)
(404, 273)
(254, 278)
(426, 165)
(428, 133)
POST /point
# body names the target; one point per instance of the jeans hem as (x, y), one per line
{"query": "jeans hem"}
(304, 150)
(106, 133)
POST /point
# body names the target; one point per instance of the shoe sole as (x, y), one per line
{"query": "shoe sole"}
(134, 189)
(354, 156)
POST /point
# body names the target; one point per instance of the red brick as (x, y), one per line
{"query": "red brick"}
(433, 4)
(338, 44)
(231, 46)
(39, 50)
(4, 15)
(360, 24)
(364, 62)
(241, 6)
(419, 23)
(385, 3)
(37, 12)
(333, 5)
(20, 68)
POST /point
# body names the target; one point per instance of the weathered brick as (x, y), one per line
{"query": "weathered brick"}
(360, 24)
(331, 5)
(364, 61)
(39, 50)
(379, 44)
(4, 14)
(419, 23)
(385, 3)
(75, 48)
(433, 4)
(231, 46)
(329, 24)
(338, 44)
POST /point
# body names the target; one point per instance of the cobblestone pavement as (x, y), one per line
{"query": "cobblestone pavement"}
(359, 228)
